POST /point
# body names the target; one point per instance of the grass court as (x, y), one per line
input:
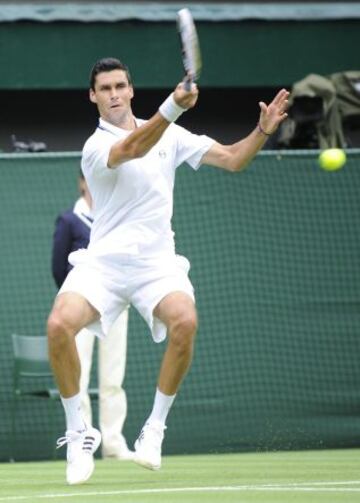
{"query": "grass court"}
(331, 476)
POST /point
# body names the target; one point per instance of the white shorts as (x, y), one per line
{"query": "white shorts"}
(110, 285)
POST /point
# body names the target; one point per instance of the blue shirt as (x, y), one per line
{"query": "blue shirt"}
(71, 233)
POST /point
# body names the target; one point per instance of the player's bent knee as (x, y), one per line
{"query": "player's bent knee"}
(189, 325)
(183, 331)
(57, 328)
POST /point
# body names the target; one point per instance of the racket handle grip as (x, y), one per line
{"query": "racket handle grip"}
(187, 83)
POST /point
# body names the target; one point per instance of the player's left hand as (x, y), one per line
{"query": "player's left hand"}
(273, 114)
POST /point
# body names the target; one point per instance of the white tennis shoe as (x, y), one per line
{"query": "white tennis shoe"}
(80, 449)
(148, 445)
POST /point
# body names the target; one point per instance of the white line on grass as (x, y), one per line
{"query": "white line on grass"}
(327, 483)
(301, 487)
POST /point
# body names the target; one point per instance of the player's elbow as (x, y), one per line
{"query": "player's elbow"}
(233, 164)
(237, 159)
(237, 163)
(239, 166)
(230, 161)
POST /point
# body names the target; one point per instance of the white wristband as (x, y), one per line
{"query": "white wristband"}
(170, 110)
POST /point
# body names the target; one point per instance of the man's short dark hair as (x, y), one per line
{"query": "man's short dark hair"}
(107, 65)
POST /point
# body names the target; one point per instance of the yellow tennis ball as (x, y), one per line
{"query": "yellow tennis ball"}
(332, 159)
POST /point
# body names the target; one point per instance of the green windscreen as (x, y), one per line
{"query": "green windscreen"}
(275, 265)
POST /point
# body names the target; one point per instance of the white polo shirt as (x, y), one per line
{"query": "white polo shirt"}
(133, 203)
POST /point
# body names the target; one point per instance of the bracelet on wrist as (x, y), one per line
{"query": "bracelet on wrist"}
(262, 131)
(170, 110)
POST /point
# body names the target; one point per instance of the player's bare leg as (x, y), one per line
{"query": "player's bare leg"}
(70, 313)
(177, 311)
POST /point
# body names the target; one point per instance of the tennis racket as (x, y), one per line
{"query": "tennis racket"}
(190, 47)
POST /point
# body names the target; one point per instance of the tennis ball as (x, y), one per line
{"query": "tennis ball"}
(332, 159)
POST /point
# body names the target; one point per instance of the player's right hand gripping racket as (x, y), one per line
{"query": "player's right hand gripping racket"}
(190, 46)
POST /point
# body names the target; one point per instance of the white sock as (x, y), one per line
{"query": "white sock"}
(74, 419)
(161, 407)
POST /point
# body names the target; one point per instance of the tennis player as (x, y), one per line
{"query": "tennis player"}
(130, 165)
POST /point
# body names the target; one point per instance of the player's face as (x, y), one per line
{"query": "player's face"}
(113, 95)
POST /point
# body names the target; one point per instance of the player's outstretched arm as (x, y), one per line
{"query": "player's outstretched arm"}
(238, 155)
(142, 139)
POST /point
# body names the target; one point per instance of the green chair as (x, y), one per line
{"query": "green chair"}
(32, 375)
